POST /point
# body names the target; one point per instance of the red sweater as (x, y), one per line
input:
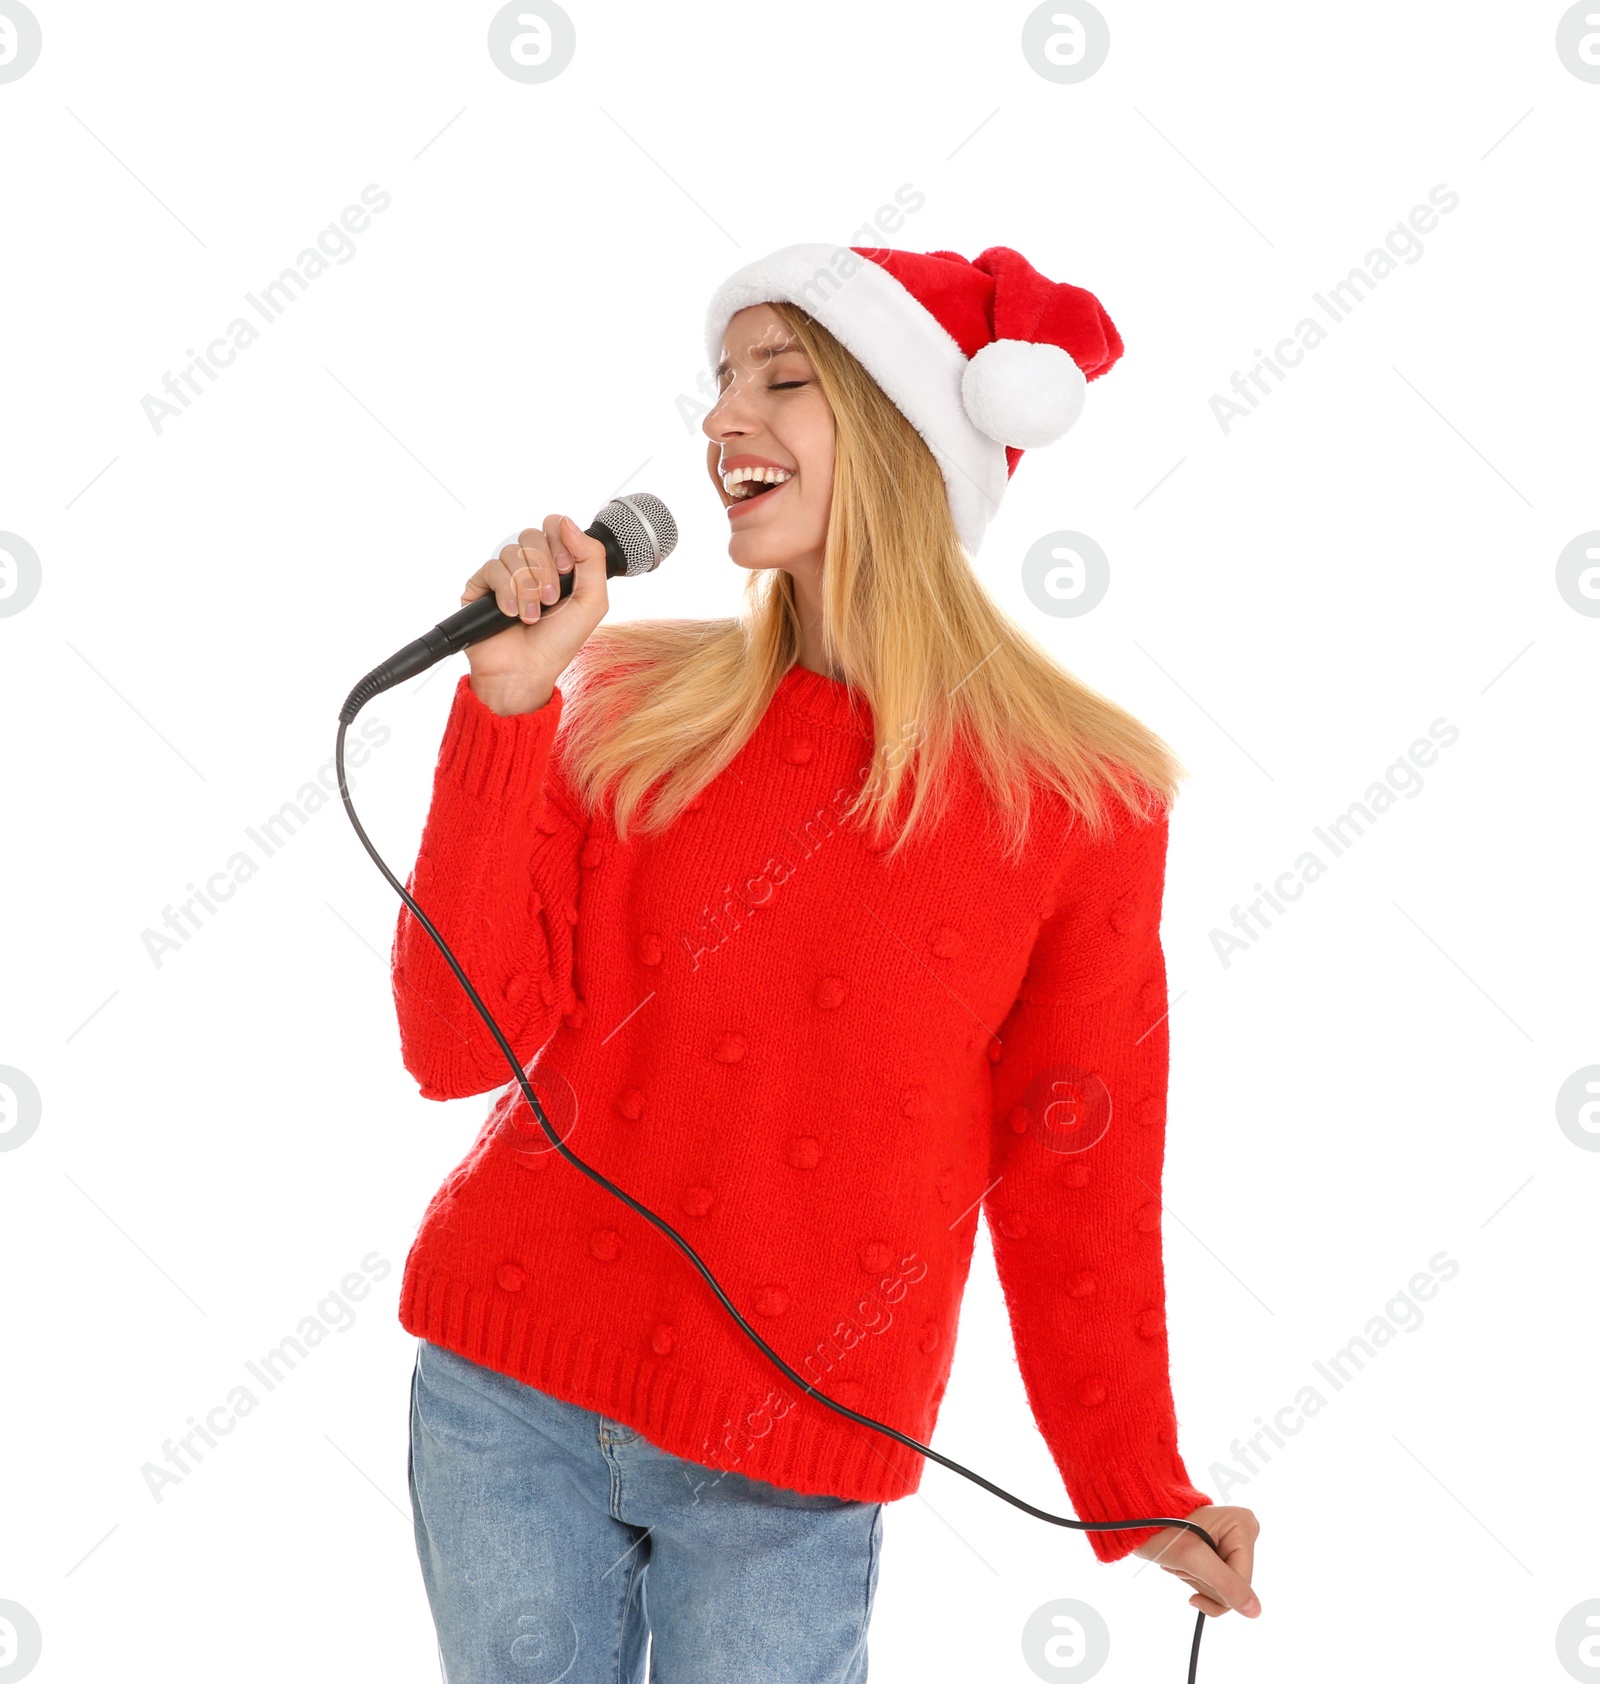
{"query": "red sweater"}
(817, 1063)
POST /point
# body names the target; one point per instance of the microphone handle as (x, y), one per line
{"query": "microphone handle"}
(479, 620)
(472, 624)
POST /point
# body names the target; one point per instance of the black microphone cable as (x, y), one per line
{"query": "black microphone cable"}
(351, 709)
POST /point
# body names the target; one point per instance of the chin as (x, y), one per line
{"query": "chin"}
(758, 558)
(758, 551)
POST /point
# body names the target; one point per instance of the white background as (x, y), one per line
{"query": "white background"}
(226, 1135)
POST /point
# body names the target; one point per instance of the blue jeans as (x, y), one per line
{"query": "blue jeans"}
(554, 1541)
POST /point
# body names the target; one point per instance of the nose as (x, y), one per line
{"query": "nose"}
(729, 417)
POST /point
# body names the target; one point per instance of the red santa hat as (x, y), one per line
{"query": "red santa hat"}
(983, 356)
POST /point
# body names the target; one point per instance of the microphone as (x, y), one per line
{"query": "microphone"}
(638, 533)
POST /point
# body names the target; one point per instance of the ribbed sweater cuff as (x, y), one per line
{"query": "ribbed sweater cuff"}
(1125, 1492)
(497, 757)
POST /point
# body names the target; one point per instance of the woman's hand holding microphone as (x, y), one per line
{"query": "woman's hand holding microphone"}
(516, 670)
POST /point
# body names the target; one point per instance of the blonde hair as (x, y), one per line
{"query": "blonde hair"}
(658, 708)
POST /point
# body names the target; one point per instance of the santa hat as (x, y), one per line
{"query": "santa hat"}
(983, 356)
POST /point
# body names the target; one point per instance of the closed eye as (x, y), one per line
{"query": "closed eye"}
(787, 385)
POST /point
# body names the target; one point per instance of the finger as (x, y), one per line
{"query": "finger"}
(1239, 1553)
(531, 569)
(494, 579)
(482, 583)
(589, 557)
(1238, 1550)
(560, 554)
(1214, 1576)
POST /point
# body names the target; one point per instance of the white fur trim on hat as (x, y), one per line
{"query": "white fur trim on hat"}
(902, 345)
(1023, 393)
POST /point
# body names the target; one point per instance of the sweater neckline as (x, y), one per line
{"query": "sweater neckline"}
(826, 701)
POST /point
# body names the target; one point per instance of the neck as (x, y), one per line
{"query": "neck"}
(808, 600)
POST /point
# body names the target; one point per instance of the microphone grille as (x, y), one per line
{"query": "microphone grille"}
(644, 529)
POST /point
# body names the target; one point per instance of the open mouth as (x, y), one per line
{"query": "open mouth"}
(753, 491)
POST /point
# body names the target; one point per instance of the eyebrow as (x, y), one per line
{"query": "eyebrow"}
(725, 367)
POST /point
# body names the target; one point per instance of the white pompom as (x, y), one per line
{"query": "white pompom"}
(1023, 394)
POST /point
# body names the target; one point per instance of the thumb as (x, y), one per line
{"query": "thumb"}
(579, 544)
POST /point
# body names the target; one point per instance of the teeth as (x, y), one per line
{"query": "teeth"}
(753, 476)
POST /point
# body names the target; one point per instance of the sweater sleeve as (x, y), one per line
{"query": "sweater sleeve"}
(1080, 1091)
(497, 873)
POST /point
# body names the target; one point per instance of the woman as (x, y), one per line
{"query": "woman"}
(816, 929)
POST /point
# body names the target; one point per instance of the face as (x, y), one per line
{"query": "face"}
(771, 433)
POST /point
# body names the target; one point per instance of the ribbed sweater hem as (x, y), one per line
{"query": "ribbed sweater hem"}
(801, 1451)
